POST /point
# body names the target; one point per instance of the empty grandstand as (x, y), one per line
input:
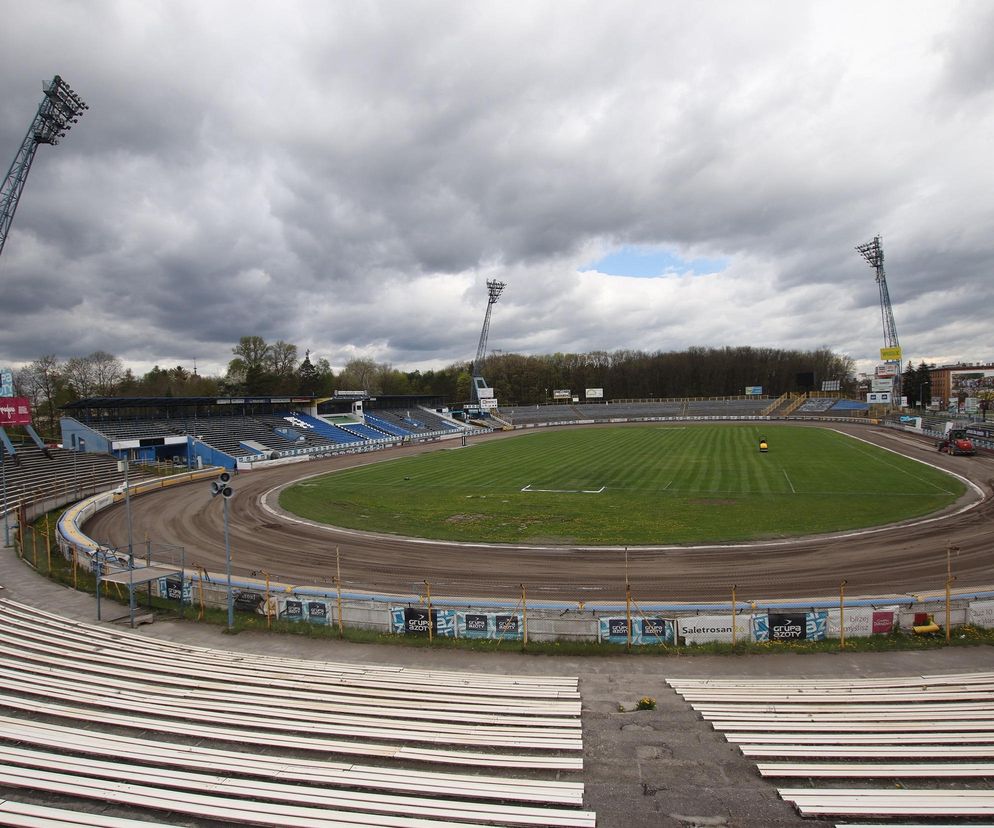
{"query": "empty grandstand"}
(202, 431)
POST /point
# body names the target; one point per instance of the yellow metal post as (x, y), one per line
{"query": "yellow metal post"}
(269, 609)
(338, 586)
(734, 610)
(949, 584)
(430, 621)
(628, 617)
(48, 546)
(842, 615)
(524, 618)
(628, 607)
(75, 563)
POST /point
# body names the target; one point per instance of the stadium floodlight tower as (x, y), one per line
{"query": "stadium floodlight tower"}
(494, 290)
(60, 108)
(873, 252)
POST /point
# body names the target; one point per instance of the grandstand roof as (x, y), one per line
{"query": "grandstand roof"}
(176, 402)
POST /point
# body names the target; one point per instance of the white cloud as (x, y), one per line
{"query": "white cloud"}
(346, 176)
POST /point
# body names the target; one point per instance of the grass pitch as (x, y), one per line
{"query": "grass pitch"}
(665, 484)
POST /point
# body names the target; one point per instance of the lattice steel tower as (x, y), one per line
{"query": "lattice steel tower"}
(494, 290)
(59, 110)
(873, 252)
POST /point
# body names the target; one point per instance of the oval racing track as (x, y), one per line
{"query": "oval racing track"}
(900, 559)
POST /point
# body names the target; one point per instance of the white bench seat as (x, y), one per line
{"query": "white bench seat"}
(28, 815)
(314, 771)
(281, 792)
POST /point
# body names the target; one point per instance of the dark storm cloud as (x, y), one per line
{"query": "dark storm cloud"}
(347, 176)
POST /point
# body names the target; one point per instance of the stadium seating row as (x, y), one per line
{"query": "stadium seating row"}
(907, 733)
(97, 717)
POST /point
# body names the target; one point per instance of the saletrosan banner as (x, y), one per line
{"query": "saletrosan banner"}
(15, 411)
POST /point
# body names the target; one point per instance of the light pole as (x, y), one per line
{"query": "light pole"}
(221, 487)
(3, 480)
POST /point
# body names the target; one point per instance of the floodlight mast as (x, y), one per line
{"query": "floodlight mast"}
(873, 252)
(494, 290)
(60, 108)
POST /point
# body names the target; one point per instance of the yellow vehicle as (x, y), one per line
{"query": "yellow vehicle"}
(763, 445)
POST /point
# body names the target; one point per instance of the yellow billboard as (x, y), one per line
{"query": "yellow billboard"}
(891, 354)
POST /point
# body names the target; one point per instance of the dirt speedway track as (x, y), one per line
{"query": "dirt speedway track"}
(896, 560)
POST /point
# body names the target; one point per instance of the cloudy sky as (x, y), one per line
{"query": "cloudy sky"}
(347, 175)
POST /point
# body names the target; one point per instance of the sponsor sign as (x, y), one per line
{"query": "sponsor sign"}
(292, 610)
(416, 620)
(886, 370)
(6, 382)
(352, 395)
(506, 625)
(488, 403)
(754, 390)
(15, 411)
(476, 625)
(787, 626)
(982, 614)
(968, 383)
(704, 628)
(594, 393)
(878, 398)
(562, 394)
(317, 612)
(891, 354)
(980, 432)
(882, 384)
(171, 588)
(644, 630)
(861, 622)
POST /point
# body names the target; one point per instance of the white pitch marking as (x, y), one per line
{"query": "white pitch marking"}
(529, 488)
(788, 481)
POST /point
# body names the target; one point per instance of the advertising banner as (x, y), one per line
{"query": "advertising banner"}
(891, 354)
(882, 384)
(473, 625)
(489, 625)
(968, 383)
(15, 411)
(317, 612)
(754, 390)
(6, 382)
(644, 630)
(702, 629)
(790, 626)
(561, 394)
(982, 614)
(172, 589)
(878, 398)
(861, 622)
(488, 402)
(594, 393)
(414, 620)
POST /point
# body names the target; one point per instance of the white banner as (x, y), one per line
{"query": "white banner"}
(982, 614)
(488, 402)
(702, 629)
(595, 393)
(561, 394)
(883, 397)
(885, 385)
(862, 621)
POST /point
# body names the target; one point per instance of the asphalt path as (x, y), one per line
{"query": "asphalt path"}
(910, 557)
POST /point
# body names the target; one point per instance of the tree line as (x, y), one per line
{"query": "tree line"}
(260, 368)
